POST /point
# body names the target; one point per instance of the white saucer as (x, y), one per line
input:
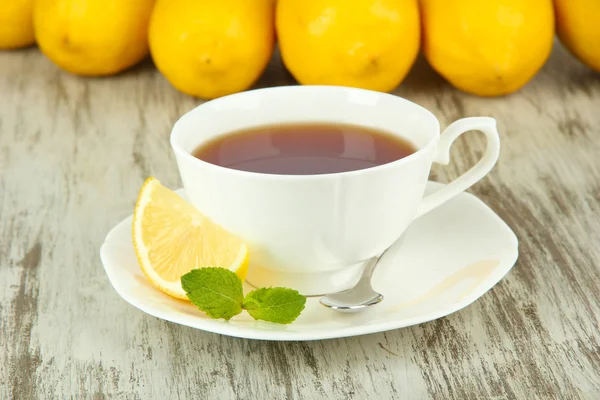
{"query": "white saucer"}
(448, 259)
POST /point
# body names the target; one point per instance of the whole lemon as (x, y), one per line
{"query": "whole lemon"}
(578, 26)
(369, 44)
(208, 48)
(93, 37)
(16, 23)
(488, 48)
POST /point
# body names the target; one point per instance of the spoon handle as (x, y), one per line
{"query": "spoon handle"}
(369, 268)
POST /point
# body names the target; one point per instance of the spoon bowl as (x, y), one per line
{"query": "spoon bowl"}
(347, 302)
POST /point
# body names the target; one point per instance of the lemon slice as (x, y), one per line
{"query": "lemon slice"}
(171, 238)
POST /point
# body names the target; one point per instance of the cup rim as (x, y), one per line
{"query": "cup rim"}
(180, 152)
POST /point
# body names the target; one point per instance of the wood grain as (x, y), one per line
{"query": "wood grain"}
(74, 151)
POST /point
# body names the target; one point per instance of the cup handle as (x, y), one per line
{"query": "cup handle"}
(484, 165)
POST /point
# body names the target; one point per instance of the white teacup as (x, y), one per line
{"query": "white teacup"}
(313, 232)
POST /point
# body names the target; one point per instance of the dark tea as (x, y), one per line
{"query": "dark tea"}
(304, 149)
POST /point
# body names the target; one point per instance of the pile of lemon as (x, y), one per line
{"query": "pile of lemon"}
(210, 48)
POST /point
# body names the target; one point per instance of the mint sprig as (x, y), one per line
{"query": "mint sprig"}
(218, 292)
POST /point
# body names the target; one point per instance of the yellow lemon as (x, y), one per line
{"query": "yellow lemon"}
(16, 23)
(369, 44)
(578, 26)
(93, 37)
(208, 48)
(490, 47)
(171, 238)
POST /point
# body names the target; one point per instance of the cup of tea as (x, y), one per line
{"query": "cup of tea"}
(317, 179)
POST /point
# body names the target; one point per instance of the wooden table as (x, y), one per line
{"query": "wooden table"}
(74, 152)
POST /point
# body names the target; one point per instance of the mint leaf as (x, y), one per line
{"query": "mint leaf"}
(216, 291)
(278, 305)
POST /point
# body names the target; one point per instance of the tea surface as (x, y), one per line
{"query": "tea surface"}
(304, 149)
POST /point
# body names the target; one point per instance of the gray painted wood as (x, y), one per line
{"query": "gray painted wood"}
(74, 151)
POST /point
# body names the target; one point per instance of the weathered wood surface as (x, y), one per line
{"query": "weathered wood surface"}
(74, 151)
